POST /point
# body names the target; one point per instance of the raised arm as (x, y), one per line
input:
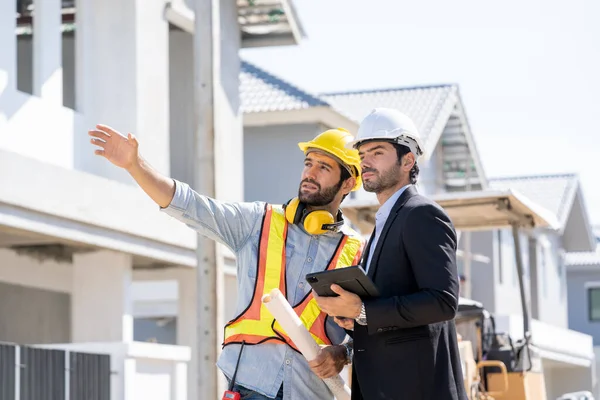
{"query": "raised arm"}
(228, 223)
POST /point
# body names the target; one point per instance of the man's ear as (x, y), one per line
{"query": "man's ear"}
(408, 161)
(348, 185)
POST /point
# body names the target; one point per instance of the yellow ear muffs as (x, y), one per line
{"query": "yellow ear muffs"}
(315, 222)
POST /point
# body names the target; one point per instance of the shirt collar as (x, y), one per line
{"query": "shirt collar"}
(386, 208)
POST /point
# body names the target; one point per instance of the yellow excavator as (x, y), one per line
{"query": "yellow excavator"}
(494, 366)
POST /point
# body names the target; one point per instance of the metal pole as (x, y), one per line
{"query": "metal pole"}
(204, 176)
(467, 254)
(521, 273)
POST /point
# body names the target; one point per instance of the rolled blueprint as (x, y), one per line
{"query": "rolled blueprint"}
(277, 304)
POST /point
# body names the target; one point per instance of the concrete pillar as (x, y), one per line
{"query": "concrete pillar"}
(229, 140)
(82, 61)
(123, 78)
(186, 323)
(47, 51)
(8, 44)
(101, 306)
(152, 84)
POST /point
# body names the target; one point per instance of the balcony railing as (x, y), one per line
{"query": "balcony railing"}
(31, 373)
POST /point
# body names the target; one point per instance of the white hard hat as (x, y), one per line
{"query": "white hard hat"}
(389, 125)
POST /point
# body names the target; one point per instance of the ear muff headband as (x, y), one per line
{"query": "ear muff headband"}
(294, 210)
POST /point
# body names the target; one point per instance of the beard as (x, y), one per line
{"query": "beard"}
(321, 197)
(382, 181)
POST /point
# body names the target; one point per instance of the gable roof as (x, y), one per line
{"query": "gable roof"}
(560, 194)
(261, 91)
(428, 106)
(556, 193)
(436, 110)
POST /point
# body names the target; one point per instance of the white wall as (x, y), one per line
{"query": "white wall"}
(30, 315)
(34, 299)
(547, 290)
(506, 286)
(567, 380)
(273, 162)
(483, 275)
(131, 94)
(579, 282)
(28, 271)
(122, 77)
(46, 301)
(552, 282)
(181, 70)
(430, 180)
(26, 119)
(228, 122)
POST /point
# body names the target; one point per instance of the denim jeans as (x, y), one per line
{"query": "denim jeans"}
(247, 394)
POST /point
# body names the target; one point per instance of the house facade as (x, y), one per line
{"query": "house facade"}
(583, 294)
(75, 232)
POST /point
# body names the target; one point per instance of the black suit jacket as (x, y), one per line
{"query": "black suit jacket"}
(408, 349)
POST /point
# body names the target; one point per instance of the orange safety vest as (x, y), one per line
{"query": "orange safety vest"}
(256, 324)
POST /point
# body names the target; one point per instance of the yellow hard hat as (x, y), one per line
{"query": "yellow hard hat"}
(333, 142)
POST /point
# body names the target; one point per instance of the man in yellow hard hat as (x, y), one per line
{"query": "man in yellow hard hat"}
(275, 246)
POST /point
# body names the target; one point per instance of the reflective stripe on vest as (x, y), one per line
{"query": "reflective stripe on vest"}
(256, 324)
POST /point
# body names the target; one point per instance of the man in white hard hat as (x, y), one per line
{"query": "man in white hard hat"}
(275, 247)
(405, 343)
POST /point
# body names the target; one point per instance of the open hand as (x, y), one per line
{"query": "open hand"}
(329, 361)
(120, 150)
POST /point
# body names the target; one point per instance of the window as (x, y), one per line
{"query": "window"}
(562, 273)
(500, 269)
(544, 262)
(508, 238)
(507, 254)
(594, 303)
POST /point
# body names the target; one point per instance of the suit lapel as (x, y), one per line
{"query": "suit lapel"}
(365, 255)
(407, 194)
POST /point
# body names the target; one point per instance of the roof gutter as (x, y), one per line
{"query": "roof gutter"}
(320, 114)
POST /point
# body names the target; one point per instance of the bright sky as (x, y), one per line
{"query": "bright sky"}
(528, 71)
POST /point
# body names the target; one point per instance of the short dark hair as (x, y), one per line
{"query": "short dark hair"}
(345, 174)
(401, 151)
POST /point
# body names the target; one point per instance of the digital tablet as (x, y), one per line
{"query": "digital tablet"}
(352, 279)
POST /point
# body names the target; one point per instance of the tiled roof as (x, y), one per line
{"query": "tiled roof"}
(584, 258)
(261, 91)
(553, 192)
(428, 106)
